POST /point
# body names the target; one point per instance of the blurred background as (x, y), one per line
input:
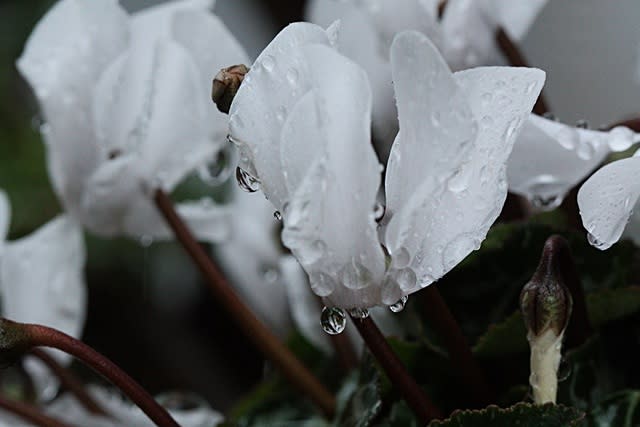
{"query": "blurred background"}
(148, 308)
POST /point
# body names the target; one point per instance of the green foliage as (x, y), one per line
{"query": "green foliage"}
(621, 409)
(522, 415)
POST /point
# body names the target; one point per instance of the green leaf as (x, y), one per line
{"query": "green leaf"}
(621, 409)
(359, 400)
(521, 414)
(399, 416)
(509, 337)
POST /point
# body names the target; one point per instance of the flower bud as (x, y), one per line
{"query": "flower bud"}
(226, 84)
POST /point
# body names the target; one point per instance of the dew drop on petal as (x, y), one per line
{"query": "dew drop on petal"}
(333, 320)
(322, 284)
(146, 241)
(378, 211)
(270, 273)
(268, 63)
(547, 203)
(247, 182)
(568, 138)
(401, 258)
(292, 76)
(620, 138)
(399, 305)
(277, 215)
(406, 279)
(597, 243)
(355, 276)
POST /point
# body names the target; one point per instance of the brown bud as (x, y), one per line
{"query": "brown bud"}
(545, 301)
(226, 84)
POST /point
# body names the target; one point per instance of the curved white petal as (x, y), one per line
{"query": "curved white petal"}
(550, 158)
(251, 257)
(63, 59)
(329, 220)
(436, 131)
(304, 305)
(212, 47)
(607, 200)
(42, 281)
(275, 83)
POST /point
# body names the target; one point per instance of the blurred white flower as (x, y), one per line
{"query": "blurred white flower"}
(127, 108)
(302, 121)
(550, 158)
(42, 281)
(607, 201)
(465, 35)
(187, 409)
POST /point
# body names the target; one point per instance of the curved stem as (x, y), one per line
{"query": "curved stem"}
(69, 382)
(469, 373)
(42, 336)
(30, 413)
(416, 398)
(516, 59)
(262, 337)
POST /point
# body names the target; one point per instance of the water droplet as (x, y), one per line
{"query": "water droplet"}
(582, 124)
(247, 182)
(596, 243)
(531, 87)
(486, 97)
(401, 258)
(355, 276)
(546, 203)
(511, 128)
(270, 273)
(322, 284)
(398, 306)
(568, 138)
(268, 63)
(146, 241)
(219, 169)
(277, 215)
(460, 181)
(620, 138)
(292, 76)
(406, 279)
(333, 320)
(378, 211)
(359, 313)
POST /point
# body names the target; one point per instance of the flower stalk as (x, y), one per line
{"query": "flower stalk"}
(465, 365)
(16, 338)
(422, 406)
(30, 413)
(546, 305)
(262, 337)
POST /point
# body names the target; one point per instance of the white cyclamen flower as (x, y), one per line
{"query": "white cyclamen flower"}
(42, 281)
(302, 121)
(127, 108)
(550, 158)
(608, 202)
(465, 36)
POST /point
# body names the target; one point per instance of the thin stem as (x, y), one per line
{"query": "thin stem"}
(263, 338)
(579, 329)
(465, 365)
(516, 59)
(42, 336)
(416, 398)
(69, 382)
(30, 413)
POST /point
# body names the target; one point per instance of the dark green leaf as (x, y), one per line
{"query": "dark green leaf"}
(522, 415)
(620, 410)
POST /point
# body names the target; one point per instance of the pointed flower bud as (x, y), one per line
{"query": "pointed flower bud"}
(226, 84)
(546, 308)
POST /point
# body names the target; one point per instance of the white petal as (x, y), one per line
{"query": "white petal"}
(5, 217)
(359, 41)
(274, 85)
(468, 35)
(436, 131)
(212, 47)
(304, 304)
(250, 259)
(550, 158)
(42, 281)
(63, 58)
(154, 23)
(607, 199)
(329, 221)
(150, 104)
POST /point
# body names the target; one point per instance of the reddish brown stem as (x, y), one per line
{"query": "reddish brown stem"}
(30, 413)
(465, 365)
(69, 382)
(424, 409)
(42, 336)
(262, 337)
(516, 59)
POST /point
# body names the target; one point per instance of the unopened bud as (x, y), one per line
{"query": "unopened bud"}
(545, 301)
(226, 84)
(13, 342)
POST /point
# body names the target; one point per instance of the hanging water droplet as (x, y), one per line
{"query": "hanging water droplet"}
(620, 138)
(146, 240)
(398, 306)
(247, 182)
(547, 203)
(568, 138)
(277, 215)
(359, 313)
(219, 169)
(378, 211)
(596, 243)
(582, 124)
(333, 320)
